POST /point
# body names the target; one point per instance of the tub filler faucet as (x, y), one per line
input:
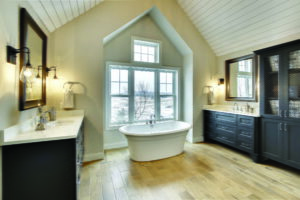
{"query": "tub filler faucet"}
(152, 120)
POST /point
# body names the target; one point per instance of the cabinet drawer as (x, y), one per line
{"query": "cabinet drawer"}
(245, 133)
(225, 138)
(224, 128)
(246, 121)
(226, 118)
(245, 145)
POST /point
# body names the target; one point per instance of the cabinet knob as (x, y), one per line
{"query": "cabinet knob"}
(280, 126)
(285, 127)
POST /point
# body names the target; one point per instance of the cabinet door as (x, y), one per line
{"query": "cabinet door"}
(293, 81)
(272, 68)
(292, 143)
(272, 137)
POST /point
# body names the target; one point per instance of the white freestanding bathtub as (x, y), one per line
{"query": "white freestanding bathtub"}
(153, 142)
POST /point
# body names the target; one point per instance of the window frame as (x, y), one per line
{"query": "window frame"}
(146, 40)
(132, 67)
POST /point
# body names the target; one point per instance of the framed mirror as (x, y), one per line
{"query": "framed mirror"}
(32, 91)
(241, 79)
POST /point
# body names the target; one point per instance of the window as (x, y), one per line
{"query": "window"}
(135, 93)
(244, 78)
(145, 51)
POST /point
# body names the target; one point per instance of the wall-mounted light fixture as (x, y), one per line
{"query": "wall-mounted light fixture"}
(53, 68)
(221, 81)
(26, 70)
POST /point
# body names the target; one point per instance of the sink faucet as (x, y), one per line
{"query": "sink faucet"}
(42, 118)
(247, 107)
(235, 107)
(152, 120)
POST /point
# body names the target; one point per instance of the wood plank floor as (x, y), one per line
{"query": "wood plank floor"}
(203, 171)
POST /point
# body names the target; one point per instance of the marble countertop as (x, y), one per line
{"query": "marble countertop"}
(66, 126)
(228, 109)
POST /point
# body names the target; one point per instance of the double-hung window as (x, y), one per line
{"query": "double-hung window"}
(136, 93)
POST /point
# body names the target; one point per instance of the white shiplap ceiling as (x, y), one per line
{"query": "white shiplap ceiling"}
(233, 25)
(55, 13)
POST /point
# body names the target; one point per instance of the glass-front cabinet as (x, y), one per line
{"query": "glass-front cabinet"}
(271, 100)
(280, 81)
(294, 82)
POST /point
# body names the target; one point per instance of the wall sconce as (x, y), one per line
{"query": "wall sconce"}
(26, 70)
(221, 81)
(53, 68)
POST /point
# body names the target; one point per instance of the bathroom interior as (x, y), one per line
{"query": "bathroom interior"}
(149, 99)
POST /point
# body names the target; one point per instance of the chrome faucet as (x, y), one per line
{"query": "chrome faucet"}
(235, 107)
(152, 120)
(42, 118)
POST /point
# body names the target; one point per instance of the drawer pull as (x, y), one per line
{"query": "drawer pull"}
(245, 144)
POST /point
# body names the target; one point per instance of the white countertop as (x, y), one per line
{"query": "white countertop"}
(226, 109)
(66, 126)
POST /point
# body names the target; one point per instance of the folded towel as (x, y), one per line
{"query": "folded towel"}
(68, 102)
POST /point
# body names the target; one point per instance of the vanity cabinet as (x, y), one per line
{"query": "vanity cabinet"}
(238, 131)
(280, 102)
(48, 170)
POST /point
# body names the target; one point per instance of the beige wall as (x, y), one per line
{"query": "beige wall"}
(77, 49)
(119, 48)
(220, 95)
(9, 73)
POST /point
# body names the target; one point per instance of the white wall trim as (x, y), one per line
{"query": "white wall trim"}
(93, 156)
(198, 139)
(116, 145)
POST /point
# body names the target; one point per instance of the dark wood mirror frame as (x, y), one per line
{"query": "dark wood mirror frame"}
(227, 77)
(25, 21)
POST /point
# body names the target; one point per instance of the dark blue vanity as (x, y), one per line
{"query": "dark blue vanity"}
(235, 130)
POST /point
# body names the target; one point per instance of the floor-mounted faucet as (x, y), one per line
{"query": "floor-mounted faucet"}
(152, 120)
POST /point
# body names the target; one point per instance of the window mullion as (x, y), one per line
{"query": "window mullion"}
(174, 94)
(157, 95)
(131, 94)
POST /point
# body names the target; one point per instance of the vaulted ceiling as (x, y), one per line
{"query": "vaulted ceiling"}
(55, 13)
(227, 25)
(232, 25)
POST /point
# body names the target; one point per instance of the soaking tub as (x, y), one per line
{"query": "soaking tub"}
(158, 141)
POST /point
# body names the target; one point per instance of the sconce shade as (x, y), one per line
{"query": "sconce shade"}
(221, 81)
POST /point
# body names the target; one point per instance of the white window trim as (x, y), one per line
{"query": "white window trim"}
(107, 100)
(146, 40)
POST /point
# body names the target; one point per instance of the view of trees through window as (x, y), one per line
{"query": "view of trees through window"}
(136, 94)
(244, 78)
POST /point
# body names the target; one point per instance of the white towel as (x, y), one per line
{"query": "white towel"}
(68, 102)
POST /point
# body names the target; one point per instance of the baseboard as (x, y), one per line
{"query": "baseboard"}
(115, 145)
(198, 139)
(195, 140)
(93, 156)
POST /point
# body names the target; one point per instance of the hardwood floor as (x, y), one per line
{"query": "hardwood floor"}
(203, 171)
